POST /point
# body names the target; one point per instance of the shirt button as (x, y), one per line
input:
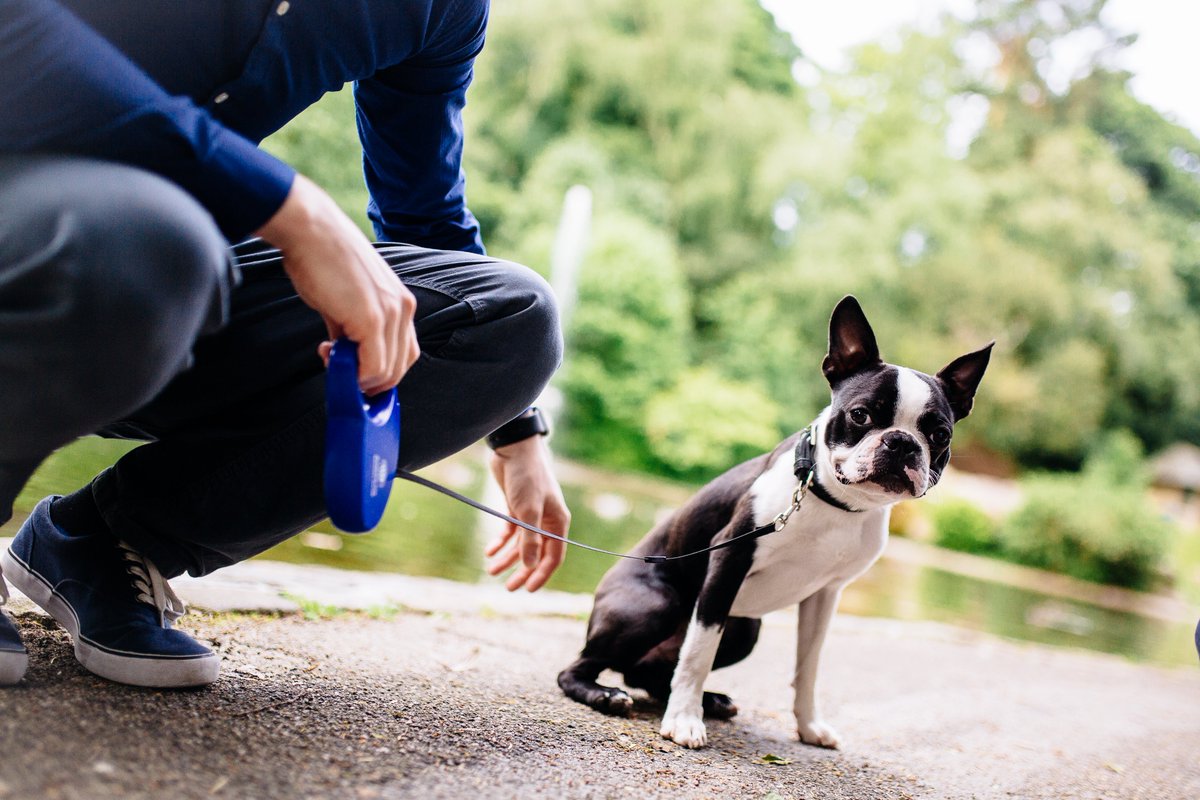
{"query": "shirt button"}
(283, 7)
(221, 98)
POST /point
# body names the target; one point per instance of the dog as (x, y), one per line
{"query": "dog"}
(884, 437)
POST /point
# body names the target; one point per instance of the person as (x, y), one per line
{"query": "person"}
(164, 279)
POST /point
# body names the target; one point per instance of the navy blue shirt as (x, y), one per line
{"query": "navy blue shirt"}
(188, 89)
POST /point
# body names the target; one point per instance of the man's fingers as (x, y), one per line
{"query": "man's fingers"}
(372, 359)
(502, 559)
(494, 545)
(531, 545)
(557, 519)
(552, 558)
(517, 579)
(503, 562)
(391, 346)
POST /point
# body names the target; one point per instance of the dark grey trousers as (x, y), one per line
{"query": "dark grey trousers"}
(124, 312)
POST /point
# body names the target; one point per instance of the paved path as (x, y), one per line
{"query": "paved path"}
(446, 690)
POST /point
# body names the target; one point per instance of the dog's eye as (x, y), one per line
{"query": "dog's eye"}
(859, 416)
(940, 437)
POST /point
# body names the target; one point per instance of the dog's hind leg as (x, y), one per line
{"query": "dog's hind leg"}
(578, 682)
(633, 613)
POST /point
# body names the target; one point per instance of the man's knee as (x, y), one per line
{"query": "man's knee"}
(110, 274)
(532, 329)
(150, 258)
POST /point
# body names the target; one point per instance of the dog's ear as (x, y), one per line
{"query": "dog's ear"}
(852, 347)
(960, 378)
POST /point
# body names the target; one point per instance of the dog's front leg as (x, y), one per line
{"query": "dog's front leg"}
(815, 614)
(683, 721)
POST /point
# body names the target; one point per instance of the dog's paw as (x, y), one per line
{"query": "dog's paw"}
(719, 706)
(819, 734)
(614, 702)
(684, 728)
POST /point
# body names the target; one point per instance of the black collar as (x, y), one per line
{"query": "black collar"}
(806, 471)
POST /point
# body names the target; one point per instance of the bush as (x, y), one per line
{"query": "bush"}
(960, 525)
(705, 424)
(1087, 528)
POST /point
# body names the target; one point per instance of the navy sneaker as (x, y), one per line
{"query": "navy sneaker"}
(115, 604)
(13, 658)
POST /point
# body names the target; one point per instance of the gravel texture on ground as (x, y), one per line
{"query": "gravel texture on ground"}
(453, 704)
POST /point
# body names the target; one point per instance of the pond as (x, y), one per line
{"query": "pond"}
(424, 533)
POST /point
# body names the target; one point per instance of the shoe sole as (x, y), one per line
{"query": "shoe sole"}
(135, 669)
(12, 666)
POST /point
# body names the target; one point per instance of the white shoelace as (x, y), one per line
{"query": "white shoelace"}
(152, 587)
(3, 588)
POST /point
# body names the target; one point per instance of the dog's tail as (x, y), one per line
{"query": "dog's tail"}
(578, 682)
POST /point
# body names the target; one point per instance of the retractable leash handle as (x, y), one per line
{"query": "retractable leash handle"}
(362, 444)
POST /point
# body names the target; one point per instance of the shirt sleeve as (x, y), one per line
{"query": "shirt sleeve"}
(410, 124)
(68, 90)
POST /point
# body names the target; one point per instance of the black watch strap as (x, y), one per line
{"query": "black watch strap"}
(530, 423)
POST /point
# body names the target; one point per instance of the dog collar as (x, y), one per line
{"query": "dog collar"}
(805, 467)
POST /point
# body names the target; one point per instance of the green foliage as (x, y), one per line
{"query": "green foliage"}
(1097, 525)
(629, 337)
(1118, 459)
(313, 610)
(1088, 530)
(705, 424)
(961, 525)
(322, 143)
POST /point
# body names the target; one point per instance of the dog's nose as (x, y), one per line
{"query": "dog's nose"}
(899, 444)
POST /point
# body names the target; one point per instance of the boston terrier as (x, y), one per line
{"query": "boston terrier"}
(884, 437)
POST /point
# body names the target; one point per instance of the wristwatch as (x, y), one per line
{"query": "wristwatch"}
(531, 422)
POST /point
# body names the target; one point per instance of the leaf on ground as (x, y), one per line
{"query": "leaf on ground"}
(771, 758)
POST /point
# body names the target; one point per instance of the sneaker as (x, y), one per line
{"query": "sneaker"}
(115, 604)
(13, 658)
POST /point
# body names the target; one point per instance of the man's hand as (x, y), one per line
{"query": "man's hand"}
(523, 471)
(337, 272)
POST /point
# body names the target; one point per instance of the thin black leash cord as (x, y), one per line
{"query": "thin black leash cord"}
(802, 458)
(763, 530)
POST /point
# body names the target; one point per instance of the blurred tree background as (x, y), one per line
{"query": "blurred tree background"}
(734, 204)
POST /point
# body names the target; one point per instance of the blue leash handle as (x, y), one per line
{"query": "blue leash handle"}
(362, 444)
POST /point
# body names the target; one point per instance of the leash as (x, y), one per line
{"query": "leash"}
(771, 527)
(804, 467)
(362, 449)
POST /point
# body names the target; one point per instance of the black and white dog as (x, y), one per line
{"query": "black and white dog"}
(884, 437)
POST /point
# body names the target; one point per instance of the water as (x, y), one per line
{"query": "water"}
(424, 533)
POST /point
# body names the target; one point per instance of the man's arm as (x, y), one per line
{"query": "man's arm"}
(68, 90)
(410, 124)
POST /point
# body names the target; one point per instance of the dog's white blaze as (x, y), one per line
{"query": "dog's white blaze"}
(914, 394)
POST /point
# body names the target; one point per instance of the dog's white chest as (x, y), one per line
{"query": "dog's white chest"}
(819, 547)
